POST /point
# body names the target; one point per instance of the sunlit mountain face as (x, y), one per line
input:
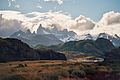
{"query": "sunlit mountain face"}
(80, 16)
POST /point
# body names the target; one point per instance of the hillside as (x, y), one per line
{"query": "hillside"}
(115, 39)
(113, 55)
(14, 49)
(87, 47)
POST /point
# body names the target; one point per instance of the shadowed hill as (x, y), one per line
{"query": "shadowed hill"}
(14, 49)
(113, 55)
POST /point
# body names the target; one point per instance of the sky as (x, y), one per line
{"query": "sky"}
(93, 9)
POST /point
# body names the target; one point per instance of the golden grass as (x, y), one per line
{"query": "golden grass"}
(37, 70)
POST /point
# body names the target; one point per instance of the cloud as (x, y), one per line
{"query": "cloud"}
(17, 6)
(40, 7)
(110, 18)
(8, 27)
(58, 1)
(110, 29)
(109, 23)
(10, 2)
(11, 21)
(49, 19)
(82, 23)
(32, 20)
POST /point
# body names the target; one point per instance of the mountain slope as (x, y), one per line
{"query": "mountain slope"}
(115, 39)
(14, 50)
(104, 45)
(35, 39)
(113, 55)
(63, 35)
(87, 47)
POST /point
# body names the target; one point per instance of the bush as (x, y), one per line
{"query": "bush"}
(21, 65)
(14, 77)
(78, 73)
(63, 73)
(25, 65)
(53, 77)
(89, 70)
(49, 76)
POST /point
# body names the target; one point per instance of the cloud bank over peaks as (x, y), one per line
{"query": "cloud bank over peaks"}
(50, 19)
(110, 18)
(33, 20)
(9, 26)
(11, 21)
(109, 23)
(82, 23)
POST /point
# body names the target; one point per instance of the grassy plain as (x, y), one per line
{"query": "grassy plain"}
(56, 70)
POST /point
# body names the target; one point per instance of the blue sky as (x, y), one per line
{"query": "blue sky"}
(90, 8)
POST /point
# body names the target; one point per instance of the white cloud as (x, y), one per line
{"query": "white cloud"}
(59, 19)
(13, 0)
(8, 27)
(10, 2)
(40, 7)
(17, 6)
(110, 29)
(32, 20)
(58, 1)
(82, 23)
(49, 19)
(110, 18)
(110, 22)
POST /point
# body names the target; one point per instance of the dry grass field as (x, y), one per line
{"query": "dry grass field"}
(55, 70)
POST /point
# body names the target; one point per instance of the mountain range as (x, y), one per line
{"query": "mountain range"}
(63, 35)
(115, 39)
(34, 39)
(54, 36)
(14, 49)
(45, 36)
(87, 47)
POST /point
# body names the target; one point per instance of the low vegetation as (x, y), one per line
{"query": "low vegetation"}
(56, 70)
